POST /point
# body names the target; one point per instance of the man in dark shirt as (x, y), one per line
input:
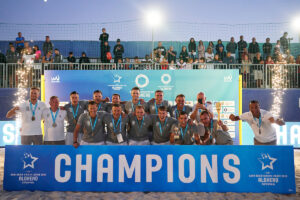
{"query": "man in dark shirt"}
(84, 58)
(241, 45)
(71, 58)
(58, 58)
(222, 53)
(160, 48)
(284, 42)
(171, 54)
(104, 50)
(118, 51)
(47, 46)
(267, 48)
(231, 47)
(103, 38)
(253, 49)
(20, 42)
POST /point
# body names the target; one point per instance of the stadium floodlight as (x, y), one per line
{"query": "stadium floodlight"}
(154, 19)
(296, 23)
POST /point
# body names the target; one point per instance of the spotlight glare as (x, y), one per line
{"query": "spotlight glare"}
(296, 23)
(154, 18)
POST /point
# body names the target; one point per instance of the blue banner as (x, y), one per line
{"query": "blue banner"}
(150, 168)
(218, 86)
(9, 133)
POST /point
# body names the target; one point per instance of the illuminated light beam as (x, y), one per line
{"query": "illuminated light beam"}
(279, 74)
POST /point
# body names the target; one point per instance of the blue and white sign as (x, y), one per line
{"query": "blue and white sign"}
(9, 133)
(150, 168)
(289, 134)
(218, 86)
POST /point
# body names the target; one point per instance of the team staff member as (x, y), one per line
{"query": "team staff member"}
(212, 134)
(183, 133)
(180, 106)
(116, 126)
(31, 116)
(54, 123)
(74, 109)
(136, 101)
(154, 104)
(92, 124)
(162, 127)
(200, 106)
(139, 127)
(115, 99)
(261, 123)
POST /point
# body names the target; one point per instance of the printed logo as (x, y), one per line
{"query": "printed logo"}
(55, 79)
(117, 78)
(166, 79)
(266, 161)
(141, 76)
(228, 79)
(29, 160)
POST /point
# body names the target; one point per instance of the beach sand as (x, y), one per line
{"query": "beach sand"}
(152, 195)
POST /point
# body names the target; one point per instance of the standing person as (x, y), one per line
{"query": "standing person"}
(116, 126)
(162, 125)
(212, 134)
(160, 50)
(201, 49)
(115, 99)
(104, 51)
(58, 58)
(180, 106)
(183, 133)
(219, 45)
(221, 53)
(92, 125)
(103, 38)
(154, 104)
(184, 54)
(192, 49)
(253, 49)
(260, 122)
(54, 123)
(267, 48)
(135, 101)
(47, 45)
(139, 127)
(242, 45)
(118, 51)
(97, 97)
(38, 54)
(209, 55)
(171, 54)
(31, 116)
(20, 43)
(231, 47)
(201, 105)
(284, 43)
(74, 109)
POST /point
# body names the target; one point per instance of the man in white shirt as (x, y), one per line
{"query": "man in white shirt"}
(31, 116)
(54, 123)
(261, 123)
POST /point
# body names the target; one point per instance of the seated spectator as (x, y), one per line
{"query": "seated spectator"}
(258, 59)
(211, 45)
(105, 53)
(147, 59)
(48, 58)
(229, 59)
(159, 57)
(217, 61)
(127, 64)
(84, 58)
(171, 54)
(189, 64)
(277, 50)
(201, 49)
(58, 58)
(181, 64)
(38, 54)
(172, 65)
(137, 63)
(245, 52)
(245, 71)
(291, 60)
(2, 59)
(47, 45)
(209, 55)
(71, 58)
(20, 43)
(298, 60)
(201, 63)
(27, 55)
(184, 54)
(280, 60)
(269, 60)
(164, 64)
(27, 50)
(160, 48)
(192, 48)
(220, 44)
(221, 53)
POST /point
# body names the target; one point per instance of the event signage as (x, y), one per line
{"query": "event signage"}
(150, 168)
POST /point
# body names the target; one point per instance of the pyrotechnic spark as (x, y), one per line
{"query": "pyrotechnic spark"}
(279, 73)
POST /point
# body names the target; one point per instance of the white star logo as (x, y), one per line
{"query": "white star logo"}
(267, 161)
(29, 160)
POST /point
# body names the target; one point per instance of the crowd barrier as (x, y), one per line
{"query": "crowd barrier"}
(254, 75)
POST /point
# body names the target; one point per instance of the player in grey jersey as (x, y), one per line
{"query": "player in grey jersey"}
(154, 104)
(162, 127)
(139, 127)
(136, 101)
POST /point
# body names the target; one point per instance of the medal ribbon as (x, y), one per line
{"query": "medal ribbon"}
(119, 121)
(163, 126)
(95, 122)
(54, 117)
(140, 126)
(177, 112)
(132, 105)
(75, 115)
(35, 106)
(183, 133)
(259, 121)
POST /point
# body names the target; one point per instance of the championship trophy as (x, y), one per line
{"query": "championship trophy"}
(176, 136)
(218, 108)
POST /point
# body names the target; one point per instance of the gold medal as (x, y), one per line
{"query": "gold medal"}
(32, 118)
(74, 121)
(54, 124)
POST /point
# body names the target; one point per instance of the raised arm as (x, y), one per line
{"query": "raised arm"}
(12, 112)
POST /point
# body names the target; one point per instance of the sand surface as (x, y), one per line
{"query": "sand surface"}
(152, 195)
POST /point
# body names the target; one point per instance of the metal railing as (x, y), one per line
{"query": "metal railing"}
(253, 75)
